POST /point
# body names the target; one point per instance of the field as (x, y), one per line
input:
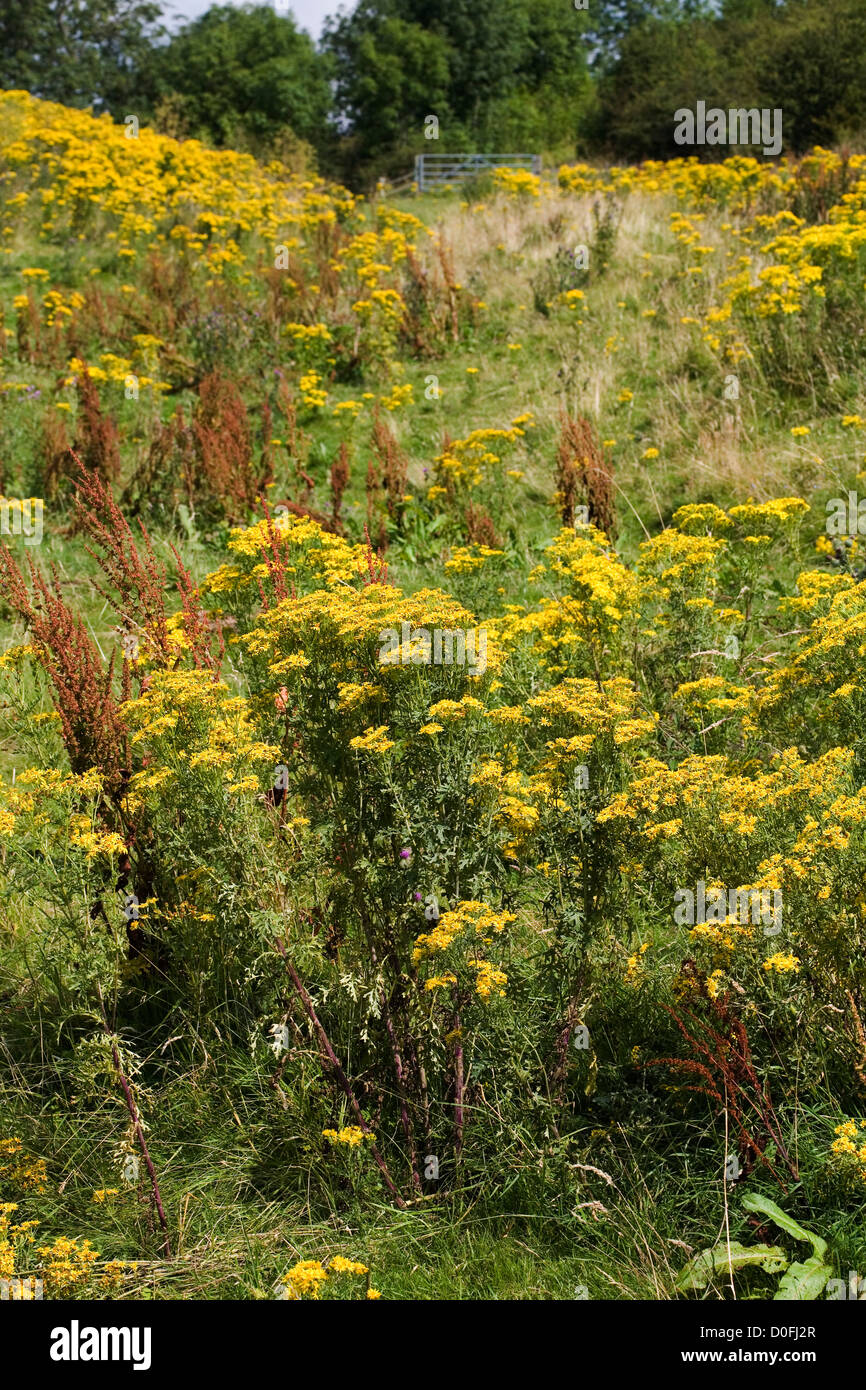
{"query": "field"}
(433, 801)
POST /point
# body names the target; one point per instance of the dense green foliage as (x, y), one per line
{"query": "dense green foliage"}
(239, 77)
(65, 51)
(511, 74)
(507, 75)
(801, 57)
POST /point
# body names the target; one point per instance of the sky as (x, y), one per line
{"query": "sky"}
(309, 14)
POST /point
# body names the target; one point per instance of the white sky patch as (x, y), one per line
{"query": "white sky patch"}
(308, 14)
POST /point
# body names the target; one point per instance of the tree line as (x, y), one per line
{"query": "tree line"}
(537, 75)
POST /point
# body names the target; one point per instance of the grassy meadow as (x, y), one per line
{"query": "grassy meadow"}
(334, 972)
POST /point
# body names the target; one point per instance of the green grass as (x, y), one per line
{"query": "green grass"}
(229, 1149)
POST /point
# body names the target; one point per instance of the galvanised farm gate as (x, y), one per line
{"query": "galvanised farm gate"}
(434, 170)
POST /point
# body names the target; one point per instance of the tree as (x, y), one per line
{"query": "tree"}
(503, 74)
(804, 57)
(612, 20)
(78, 52)
(390, 74)
(244, 76)
(661, 67)
(487, 45)
(810, 63)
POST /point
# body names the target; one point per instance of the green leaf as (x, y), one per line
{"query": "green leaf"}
(700, 1270)
(805, 1281)
(754, 1201)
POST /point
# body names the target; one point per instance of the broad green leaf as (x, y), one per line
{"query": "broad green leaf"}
(701, 1269)
(803, 1282)
(754, 1201)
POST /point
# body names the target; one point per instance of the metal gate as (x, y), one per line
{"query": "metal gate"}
(434, 170)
